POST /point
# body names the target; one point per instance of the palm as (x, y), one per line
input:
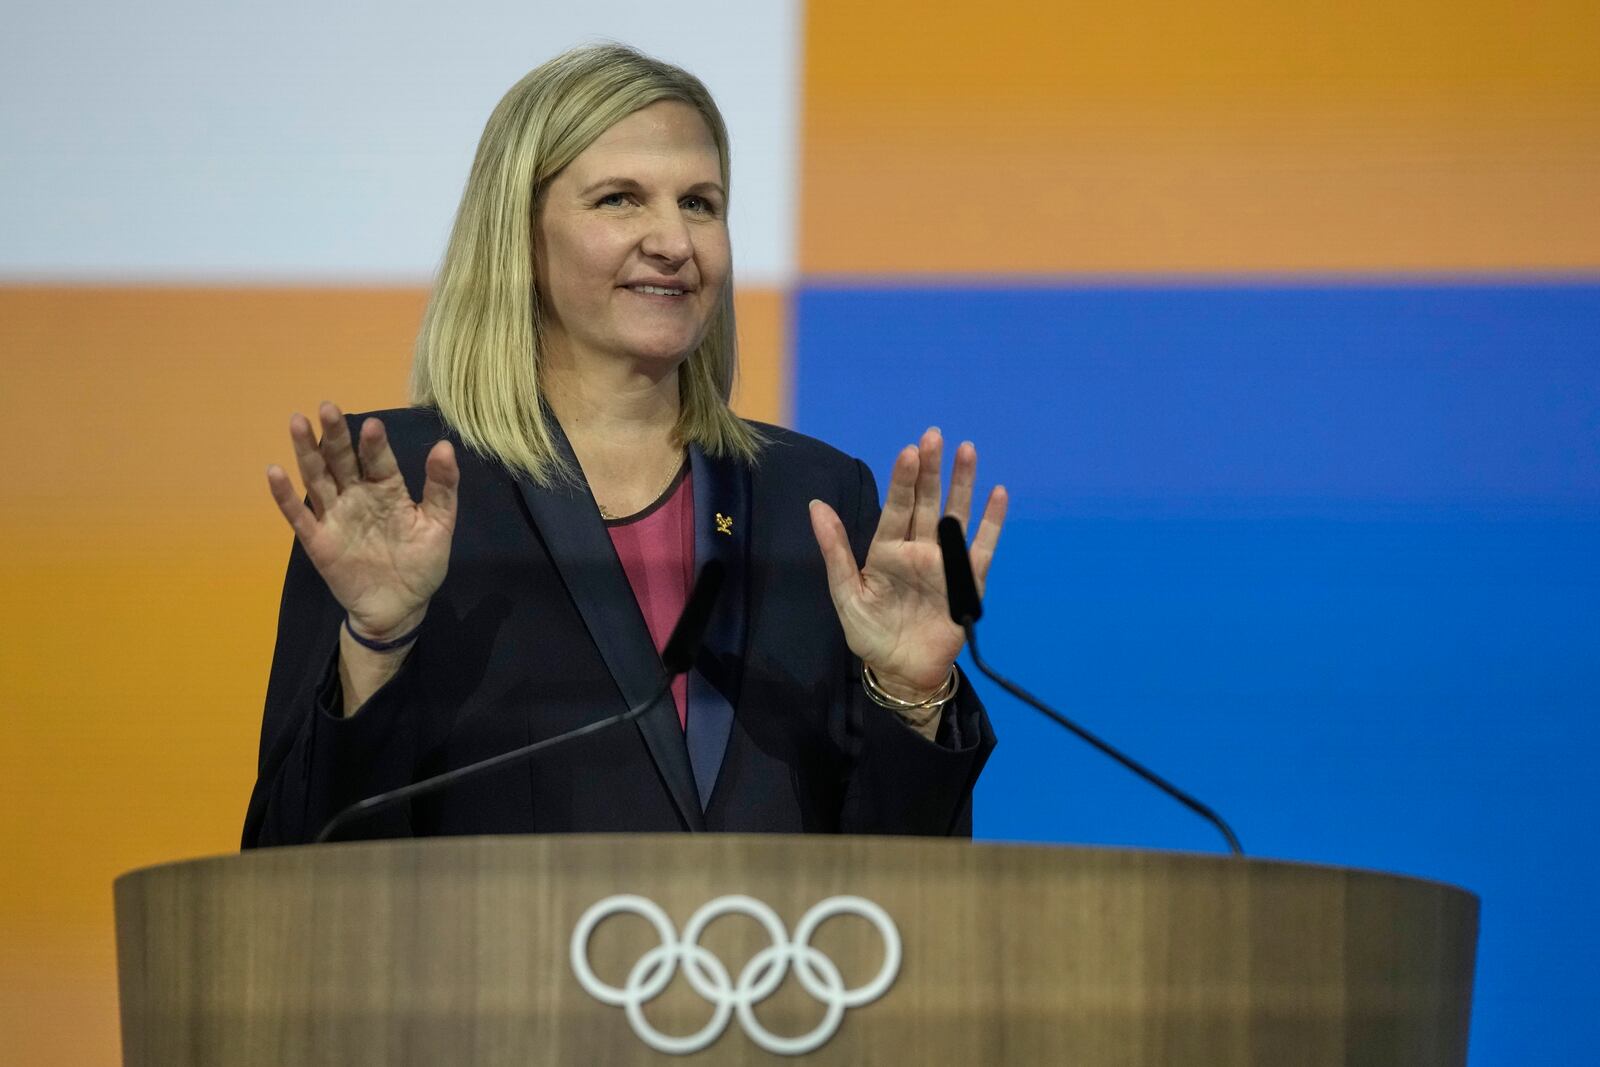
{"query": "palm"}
(894, 610)
(897, 618)
(379, 552)
(382, 555)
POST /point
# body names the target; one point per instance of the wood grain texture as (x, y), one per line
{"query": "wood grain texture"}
(456, 951)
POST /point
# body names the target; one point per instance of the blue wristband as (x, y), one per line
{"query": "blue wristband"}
(382, 646)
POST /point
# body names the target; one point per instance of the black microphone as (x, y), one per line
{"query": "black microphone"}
(677, 657)
(966, 609)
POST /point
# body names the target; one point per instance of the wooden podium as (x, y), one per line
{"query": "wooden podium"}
(890, 950)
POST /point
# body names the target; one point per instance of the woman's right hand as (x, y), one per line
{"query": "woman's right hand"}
(382, 554)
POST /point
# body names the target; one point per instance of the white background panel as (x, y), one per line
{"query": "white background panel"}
(295, 142)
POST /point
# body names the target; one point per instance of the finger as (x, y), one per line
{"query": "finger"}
(843, 576)
(895, 522)
(930, 459)
(289, 503)
(335, 447)
(319, 483)
(377, 458)
(983, 545)
(439, 491)
(962, 477)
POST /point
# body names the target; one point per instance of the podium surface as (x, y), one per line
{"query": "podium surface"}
(621, 949)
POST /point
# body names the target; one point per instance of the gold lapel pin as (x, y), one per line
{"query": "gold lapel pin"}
(724, 524)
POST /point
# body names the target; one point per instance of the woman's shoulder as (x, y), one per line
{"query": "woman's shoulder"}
(404, 424)
(784, 446)
(793, 466)
(412, 433)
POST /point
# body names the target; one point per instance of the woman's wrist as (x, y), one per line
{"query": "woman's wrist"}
(363, 668)
(385, 639)
(917, 706)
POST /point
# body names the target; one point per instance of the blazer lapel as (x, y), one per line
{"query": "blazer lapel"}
(570, 525)
(722, 532)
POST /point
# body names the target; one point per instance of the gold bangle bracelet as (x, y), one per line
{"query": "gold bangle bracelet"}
(932, 703)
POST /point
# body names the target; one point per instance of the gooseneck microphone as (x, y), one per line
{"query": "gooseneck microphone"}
(966, 609)
(677, 657)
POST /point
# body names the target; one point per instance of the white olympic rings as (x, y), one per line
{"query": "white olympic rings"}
(760, 977)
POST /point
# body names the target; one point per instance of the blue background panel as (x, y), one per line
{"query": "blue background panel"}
(1324, 555)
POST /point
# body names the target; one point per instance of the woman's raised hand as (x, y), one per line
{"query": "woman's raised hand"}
(894, 609)
(382, 554)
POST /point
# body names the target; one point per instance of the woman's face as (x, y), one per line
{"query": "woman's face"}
(631, 243)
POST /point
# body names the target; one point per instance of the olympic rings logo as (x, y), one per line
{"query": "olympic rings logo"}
(709, 977)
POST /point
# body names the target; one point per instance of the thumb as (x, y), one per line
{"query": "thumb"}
(843, 577)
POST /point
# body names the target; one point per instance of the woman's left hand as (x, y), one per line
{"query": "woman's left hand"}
(894, 610)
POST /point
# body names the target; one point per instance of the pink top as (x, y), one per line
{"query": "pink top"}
(656, 547)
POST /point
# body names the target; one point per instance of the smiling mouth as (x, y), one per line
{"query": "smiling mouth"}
(654, 290)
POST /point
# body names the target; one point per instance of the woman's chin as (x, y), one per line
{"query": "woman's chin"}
(663, 351)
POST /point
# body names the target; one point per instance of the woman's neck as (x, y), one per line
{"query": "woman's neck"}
(621, 423)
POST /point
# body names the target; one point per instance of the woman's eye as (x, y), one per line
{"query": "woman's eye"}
(699, 204)
(613, 200)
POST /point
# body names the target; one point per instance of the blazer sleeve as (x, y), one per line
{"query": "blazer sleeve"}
(899, 781)
(314, 762)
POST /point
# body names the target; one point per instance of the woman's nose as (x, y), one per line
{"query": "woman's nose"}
(668, 237)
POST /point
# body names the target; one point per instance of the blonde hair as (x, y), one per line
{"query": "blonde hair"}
(477, 354)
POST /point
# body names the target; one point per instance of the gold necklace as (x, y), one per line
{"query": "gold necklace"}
(606, 513)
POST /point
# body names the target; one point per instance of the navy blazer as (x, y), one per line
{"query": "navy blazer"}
(536, 631)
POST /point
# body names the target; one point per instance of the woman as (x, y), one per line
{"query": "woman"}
(504, 561)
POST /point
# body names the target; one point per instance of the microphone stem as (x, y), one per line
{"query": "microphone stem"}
(371, 805)
(1133, 765)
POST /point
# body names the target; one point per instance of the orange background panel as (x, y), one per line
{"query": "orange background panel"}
(1232, 137)
(140, 560)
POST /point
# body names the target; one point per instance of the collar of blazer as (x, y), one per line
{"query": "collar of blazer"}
(569, 524)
